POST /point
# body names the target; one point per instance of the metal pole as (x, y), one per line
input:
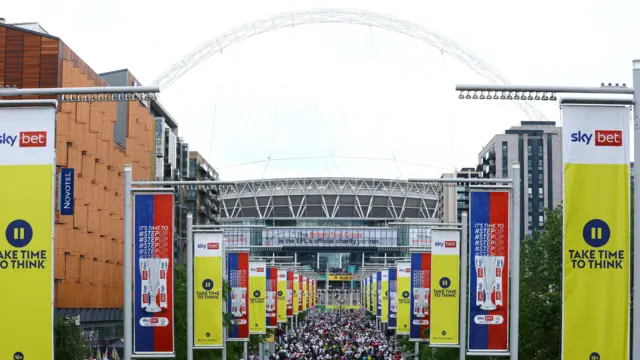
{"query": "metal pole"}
(515, 262)
(261, 351)
(128, 262)
(417, 349)
(223, 245)
(245, 350)
(636, 214)
(189, 286)
(463, 286)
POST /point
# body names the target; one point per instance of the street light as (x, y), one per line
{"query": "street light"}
(88, 94)
(548, 93)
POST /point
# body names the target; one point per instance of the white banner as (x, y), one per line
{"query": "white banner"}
(329, 237)
(420, 237)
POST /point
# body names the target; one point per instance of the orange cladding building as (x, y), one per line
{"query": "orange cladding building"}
(89, 244)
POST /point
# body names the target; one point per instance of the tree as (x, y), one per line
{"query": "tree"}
(68, 341)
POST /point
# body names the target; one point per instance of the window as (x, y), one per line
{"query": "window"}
(540, 150)
(541, 219)
(529, 178)
(529, 149)
(540, 177)
(529, 190)
(530, 219)
(505, 159)
(540, 191)
(530, 206)
(539, 163)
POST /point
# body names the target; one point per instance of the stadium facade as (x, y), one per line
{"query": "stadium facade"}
(335, 225)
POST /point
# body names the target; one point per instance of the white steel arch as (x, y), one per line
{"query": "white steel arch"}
(340, 16)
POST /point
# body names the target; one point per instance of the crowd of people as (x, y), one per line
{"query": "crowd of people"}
(335, 335)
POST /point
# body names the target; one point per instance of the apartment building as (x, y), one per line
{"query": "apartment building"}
(203, 203)
(537, 146)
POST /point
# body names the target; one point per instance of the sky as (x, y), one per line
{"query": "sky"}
(345, 100)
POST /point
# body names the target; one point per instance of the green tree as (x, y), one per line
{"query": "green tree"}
(68, 341)
(541, 291)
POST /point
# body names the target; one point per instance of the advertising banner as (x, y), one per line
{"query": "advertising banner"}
(596, 248)
(289, 294)
(420, 291)
(238, 303)
(445, 271)
(384, 294)
(366, 293)
(419, 237)
(340, 277)
(257, 297)
(301, 283)
(378, 290)
(207, 288)
(328, 237)
(272, 297)
(307, 290)
(404, 298)
(373, 290)
(27, 170)
(393, 298)
(489, 271)
(282, 296)
(153, 274)
(295, 303)
(237, 237)
(314, 297)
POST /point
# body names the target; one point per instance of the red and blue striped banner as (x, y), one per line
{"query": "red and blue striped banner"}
(489, 272)
(393, 299)
(290, 293)
(420, 289)
(238, 304)
(153, 274)
(272, 297)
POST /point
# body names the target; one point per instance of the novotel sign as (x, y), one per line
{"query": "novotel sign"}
(66, 187)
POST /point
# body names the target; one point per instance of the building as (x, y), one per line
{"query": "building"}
(454, 199)
(537, 146)
(96, 139)
(204, 202)
(358, 220)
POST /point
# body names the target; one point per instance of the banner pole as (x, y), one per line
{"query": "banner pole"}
(463, 286)
(636, 215)
(190, 286)
(224, 305)
(128, 262)
(515, 261)
(245, 350)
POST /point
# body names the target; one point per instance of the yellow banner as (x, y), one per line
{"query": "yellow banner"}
(366, 294)
(445, 304)
(305, 293)
(596, 232)
(340, 277)
(282, 296)
(27, 169)
(207, 288)
(296, 293)
(257, 297)
(374, 294)
(25, 266)
(404, 298)
(385, 296)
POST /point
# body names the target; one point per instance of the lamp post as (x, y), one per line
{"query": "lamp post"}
(549, 93)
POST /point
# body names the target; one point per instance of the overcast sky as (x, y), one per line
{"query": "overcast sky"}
(332, 95)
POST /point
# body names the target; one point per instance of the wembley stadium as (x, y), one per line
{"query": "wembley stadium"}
(336, 227)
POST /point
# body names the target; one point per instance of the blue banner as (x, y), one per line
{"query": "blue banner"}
(238, 297)
(378, 291)
(392, 301)
(66, 191)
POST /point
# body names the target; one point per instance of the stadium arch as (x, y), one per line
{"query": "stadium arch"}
(340, 16)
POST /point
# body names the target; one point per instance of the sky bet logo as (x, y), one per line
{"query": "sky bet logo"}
(600, 137)
(25, 139)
